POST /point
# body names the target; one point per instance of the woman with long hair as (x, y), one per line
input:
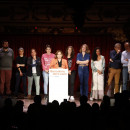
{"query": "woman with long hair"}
(83, 69)
(71, 60)
(98, 67)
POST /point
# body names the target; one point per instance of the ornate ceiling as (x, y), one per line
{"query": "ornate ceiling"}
(60, 18)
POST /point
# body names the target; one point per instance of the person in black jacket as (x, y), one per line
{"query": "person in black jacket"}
(33, 72)
(21, 62)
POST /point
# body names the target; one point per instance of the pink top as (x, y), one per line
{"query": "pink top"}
(46, 60)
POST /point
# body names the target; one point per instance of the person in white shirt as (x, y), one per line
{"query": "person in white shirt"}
(125, 57)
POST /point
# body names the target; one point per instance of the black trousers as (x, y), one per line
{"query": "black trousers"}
(18, 78)
(71, 82)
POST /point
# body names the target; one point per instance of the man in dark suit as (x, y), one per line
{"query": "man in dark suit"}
(115, 67)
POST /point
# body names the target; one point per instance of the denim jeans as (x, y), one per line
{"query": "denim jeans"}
(18, 78)
(37, 84)
(83, 77)
(125, 77)
(46, 80)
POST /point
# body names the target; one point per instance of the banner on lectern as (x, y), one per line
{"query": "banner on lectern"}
(58, 84)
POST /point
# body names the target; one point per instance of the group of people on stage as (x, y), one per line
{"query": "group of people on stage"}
(31, 68)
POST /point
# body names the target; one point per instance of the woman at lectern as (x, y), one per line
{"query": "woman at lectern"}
(58, 62)
(83, 69)
(71, 59)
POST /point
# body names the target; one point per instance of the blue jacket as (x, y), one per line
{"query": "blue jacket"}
(116, 57)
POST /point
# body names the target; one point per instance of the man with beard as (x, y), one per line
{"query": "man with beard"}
(6, 60)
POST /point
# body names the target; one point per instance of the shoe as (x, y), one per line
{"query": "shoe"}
(25, 97)
(99, 99)
(91, 99)
(71, 97)
(68, 98)
(45, 97)
(15, 95)
(29, 96)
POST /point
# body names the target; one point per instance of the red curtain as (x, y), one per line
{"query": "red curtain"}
(59, 42)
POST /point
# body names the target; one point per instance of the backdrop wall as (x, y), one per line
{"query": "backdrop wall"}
(59, 42)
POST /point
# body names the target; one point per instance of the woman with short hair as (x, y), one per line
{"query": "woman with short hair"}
(58, 61)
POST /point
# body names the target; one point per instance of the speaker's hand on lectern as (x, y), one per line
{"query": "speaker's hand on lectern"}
(69, 72)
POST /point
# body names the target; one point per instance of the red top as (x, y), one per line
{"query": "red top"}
(73, 66)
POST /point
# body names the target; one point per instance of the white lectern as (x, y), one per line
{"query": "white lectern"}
(58, 84)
